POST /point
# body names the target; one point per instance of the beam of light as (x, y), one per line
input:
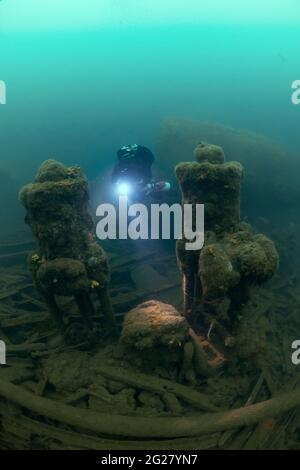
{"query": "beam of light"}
(53, 15)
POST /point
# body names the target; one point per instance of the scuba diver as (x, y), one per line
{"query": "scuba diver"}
(132, 174)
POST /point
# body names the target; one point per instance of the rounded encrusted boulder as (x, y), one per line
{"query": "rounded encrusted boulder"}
(154, 334)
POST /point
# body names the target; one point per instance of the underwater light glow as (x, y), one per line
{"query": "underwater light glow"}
(123, 189)
(45, 15)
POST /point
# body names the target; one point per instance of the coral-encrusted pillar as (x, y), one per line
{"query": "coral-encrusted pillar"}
(69, 261)
(217, 279)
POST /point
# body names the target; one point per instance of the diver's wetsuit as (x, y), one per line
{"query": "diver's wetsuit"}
(134, 163)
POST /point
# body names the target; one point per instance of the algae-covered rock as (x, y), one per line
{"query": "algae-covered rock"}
(154, 335)
(235, 257)
(256, 259)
